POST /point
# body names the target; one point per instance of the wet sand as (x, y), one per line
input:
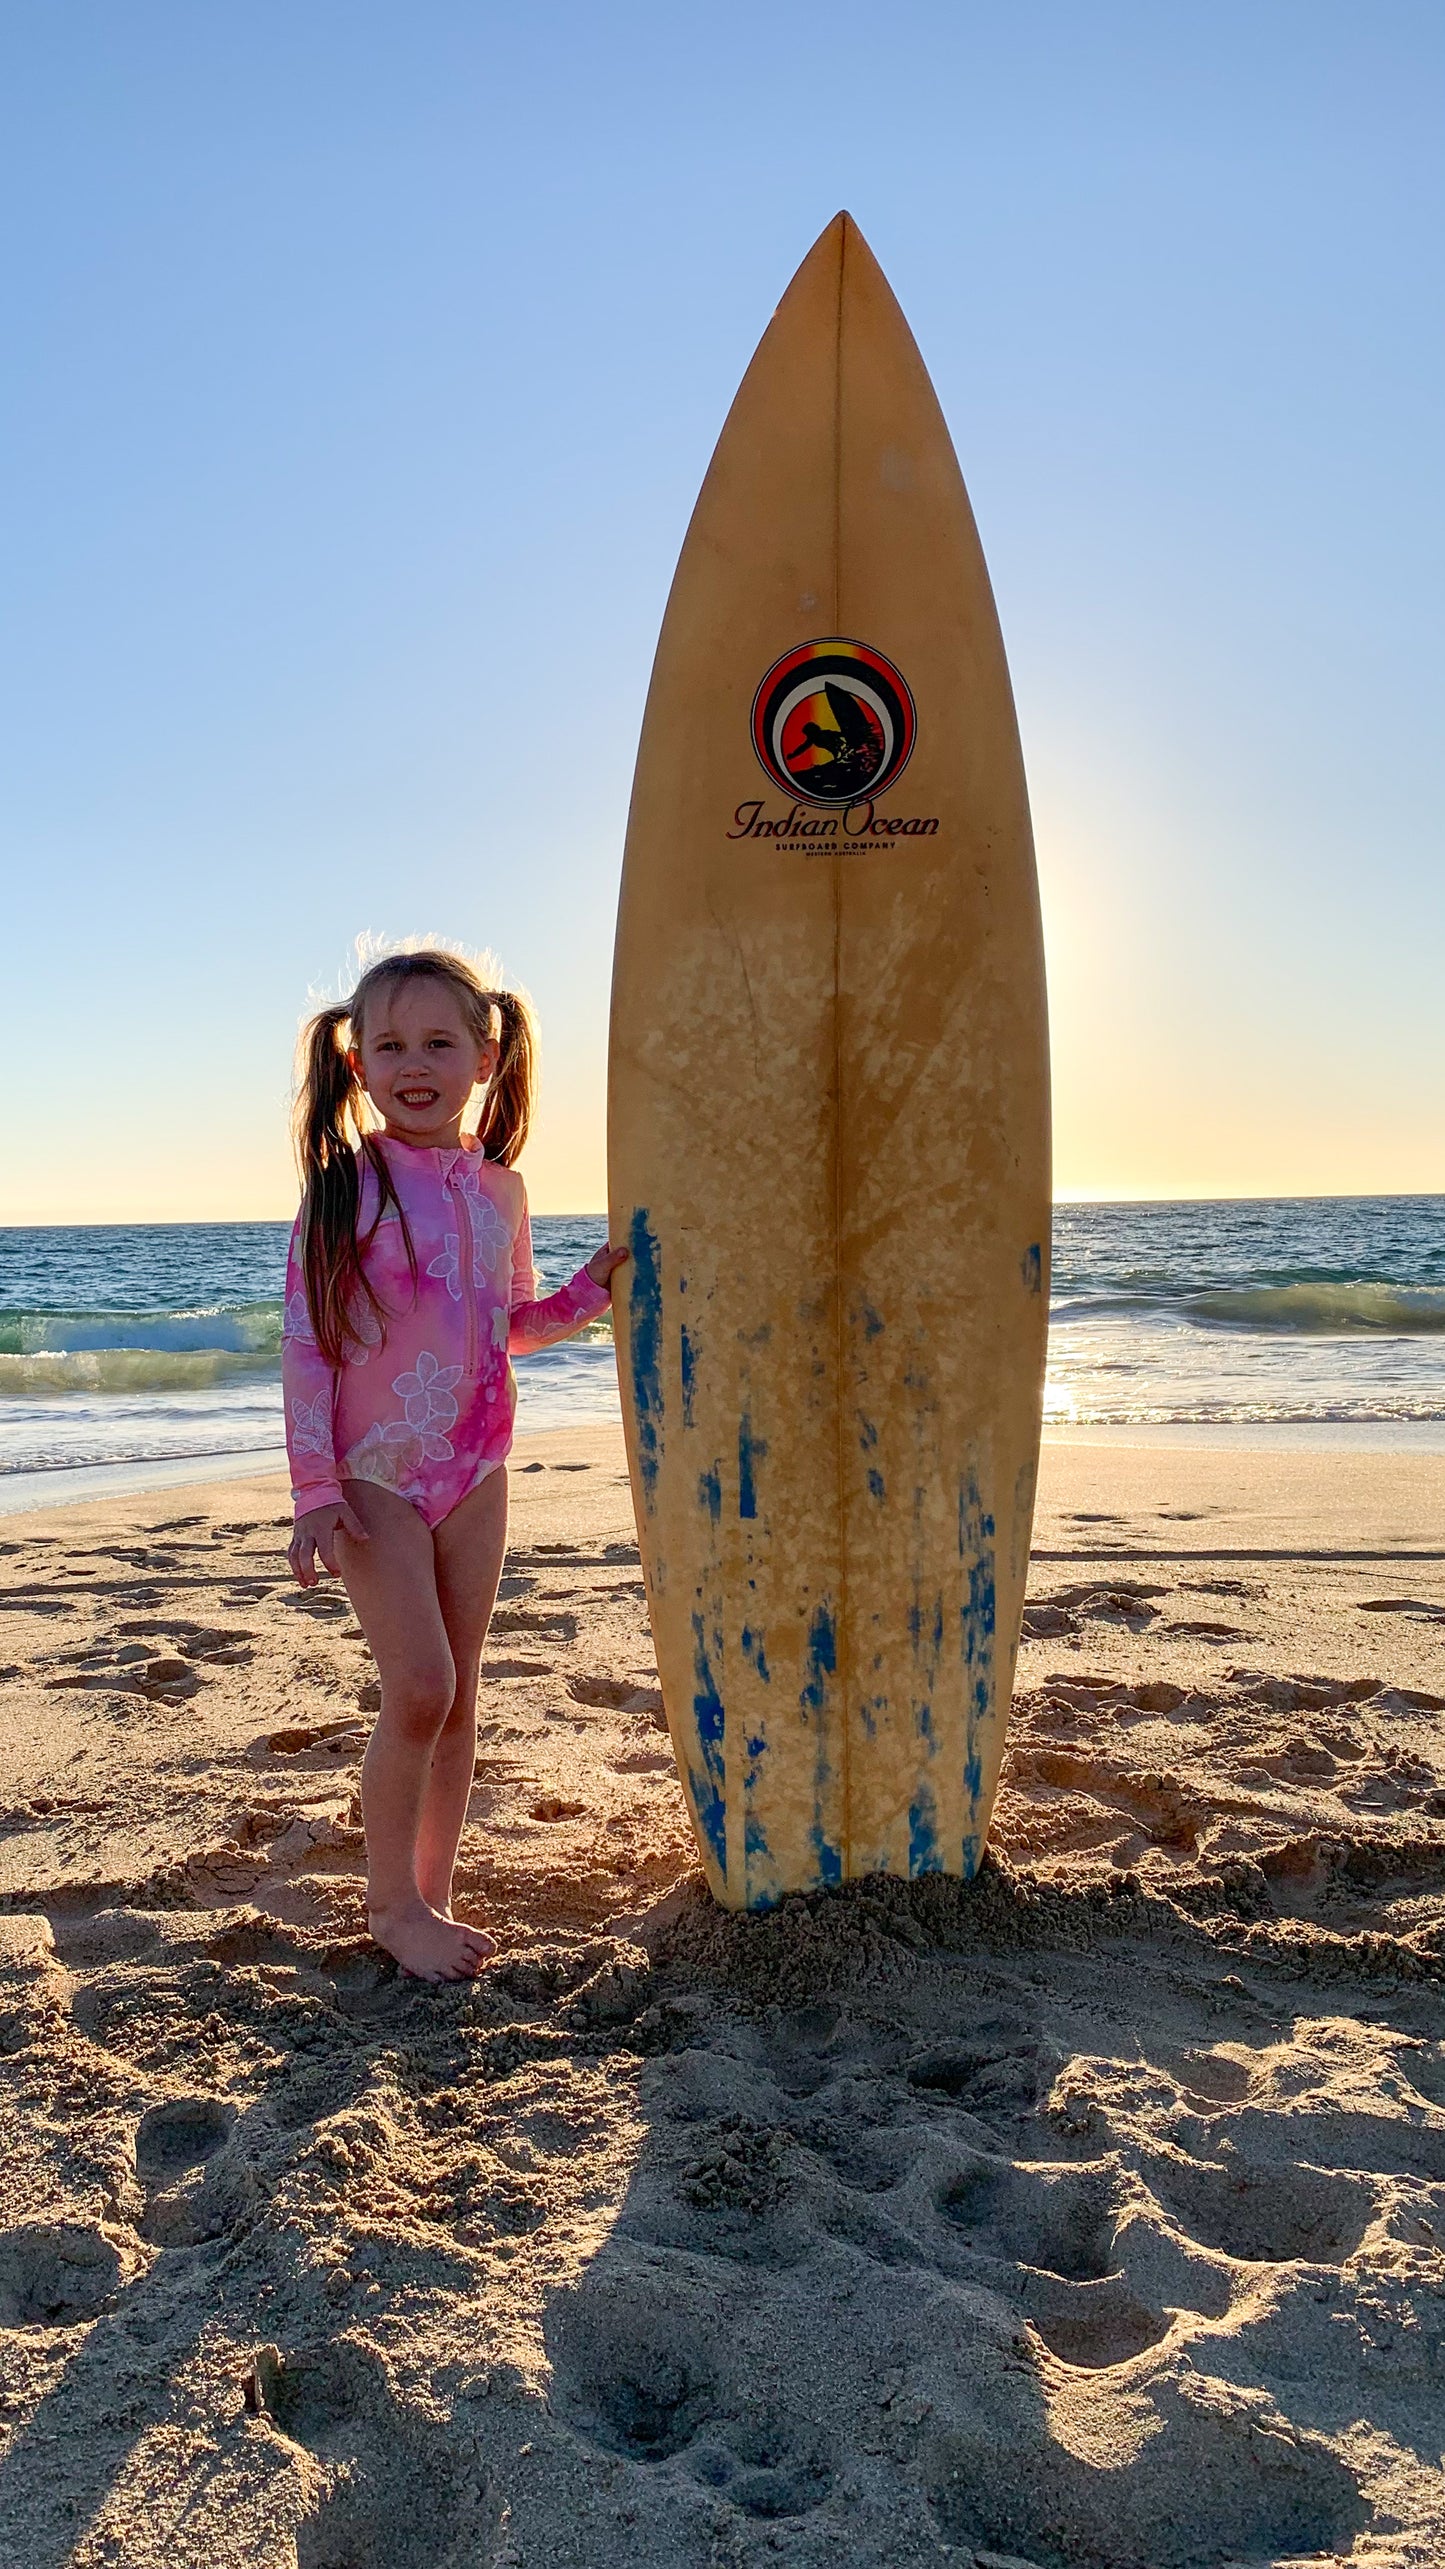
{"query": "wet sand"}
(1092, 2214)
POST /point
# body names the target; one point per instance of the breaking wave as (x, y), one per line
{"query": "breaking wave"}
(128, 1369)
(241, 1329)
(1324, 1310)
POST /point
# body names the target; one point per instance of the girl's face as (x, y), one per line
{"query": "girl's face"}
(419, 1063)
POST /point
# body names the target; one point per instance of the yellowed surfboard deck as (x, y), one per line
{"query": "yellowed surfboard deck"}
(828, 1126)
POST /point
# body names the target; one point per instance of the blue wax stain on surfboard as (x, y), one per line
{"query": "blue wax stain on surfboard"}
(752, 1648)
(760, 1873)
(872, 1325)
(825, 1855)
(709, 1492)
(645, 1301)
(822, 1659)
(970, 1856)
(688, 1367)
(708, 1788)
(876, 1485)
(923, 1854)
(925, 1634)
(979, 1615)
(751, 1450)
(821, 1664)
(1032, 1266)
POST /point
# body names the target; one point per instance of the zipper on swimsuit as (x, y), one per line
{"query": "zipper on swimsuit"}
(466, 1270)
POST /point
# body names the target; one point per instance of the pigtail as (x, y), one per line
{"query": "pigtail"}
(507, 1114)
(327, 1101)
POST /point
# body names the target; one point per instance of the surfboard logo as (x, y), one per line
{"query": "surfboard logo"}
(834, 721)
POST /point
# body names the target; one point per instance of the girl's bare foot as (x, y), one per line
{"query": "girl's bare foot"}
(427, 1946)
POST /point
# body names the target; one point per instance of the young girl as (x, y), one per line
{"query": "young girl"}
(410, 1282)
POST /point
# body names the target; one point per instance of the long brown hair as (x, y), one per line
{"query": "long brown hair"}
(331, 1136)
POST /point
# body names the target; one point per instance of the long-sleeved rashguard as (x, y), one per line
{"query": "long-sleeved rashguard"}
(424, 1406)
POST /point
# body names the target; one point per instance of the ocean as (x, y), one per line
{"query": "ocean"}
(141, 1353)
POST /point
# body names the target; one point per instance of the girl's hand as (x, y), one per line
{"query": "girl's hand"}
(602, 1264)
(316, 1532)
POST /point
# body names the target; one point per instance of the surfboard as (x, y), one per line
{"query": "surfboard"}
(828, 1125)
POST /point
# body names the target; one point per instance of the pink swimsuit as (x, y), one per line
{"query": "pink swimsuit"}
(425, 1409)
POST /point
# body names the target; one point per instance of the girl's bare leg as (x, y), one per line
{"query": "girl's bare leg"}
(470, 1547)
(391, 1581)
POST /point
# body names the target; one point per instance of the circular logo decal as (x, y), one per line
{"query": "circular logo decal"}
(833, 721)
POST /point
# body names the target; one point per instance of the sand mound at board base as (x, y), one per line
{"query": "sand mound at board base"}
(1088, 2217)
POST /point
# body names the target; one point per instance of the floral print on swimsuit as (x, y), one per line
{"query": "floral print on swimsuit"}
(425, 1408)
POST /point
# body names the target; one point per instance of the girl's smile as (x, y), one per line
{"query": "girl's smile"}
(419, 1062)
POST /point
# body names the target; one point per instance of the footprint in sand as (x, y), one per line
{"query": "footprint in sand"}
(56, 2274)
(1216, 1633)
(1046, 1622)
(536, 1620)
(996, 2074)
(1114, 1601)
(1060, 2221)
(1425, 2070)
(1261, 2215)
(763, 2466)
(1095, 2326)
(401, 2490)
(174, 2143)
(632, 2383)
(178, 2136)
(620, 1695)
(1418, 1609)
(336, 1739)
(1205, 2484)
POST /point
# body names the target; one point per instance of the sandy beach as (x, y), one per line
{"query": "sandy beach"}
(1093, 2214)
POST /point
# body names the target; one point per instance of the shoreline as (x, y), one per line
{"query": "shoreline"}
(76, 1485)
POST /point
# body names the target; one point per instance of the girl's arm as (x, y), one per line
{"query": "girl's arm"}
(309, 1388)
(537, 1324)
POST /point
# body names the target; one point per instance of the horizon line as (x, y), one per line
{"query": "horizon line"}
(1069, 1200)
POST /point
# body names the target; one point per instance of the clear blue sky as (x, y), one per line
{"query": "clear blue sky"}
(360, 367)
